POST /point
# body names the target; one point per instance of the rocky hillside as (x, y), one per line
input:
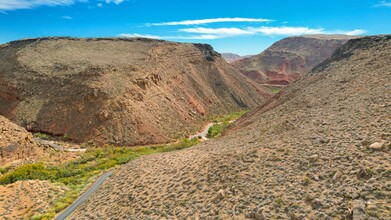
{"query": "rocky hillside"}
(318, 150)
(231, 57)
(122, 91)
(288, 59)
(28, 198)
(15, 142)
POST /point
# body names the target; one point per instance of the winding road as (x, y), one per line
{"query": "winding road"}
(63, 215)
(203, 133)
(68, 211)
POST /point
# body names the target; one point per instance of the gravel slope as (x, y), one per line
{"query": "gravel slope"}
(318, 150)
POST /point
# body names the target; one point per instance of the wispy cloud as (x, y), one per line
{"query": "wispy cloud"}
(208, 21)
(287, 31)
(192, 37)
(382, 4)
(352, 32)
(139, 35)
(8, 5)
(270, 31)
(117, 2)
(217, 33)
(66, 17)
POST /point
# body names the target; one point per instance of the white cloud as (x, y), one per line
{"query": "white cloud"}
(139, 35)
(208, 21)
(66, 17)
(217, 31)
(353, 32)
(287, 31)
(383, 4)
(25, 4)
(196, 37)
(229, 32)
(117, 2)
(8, 5)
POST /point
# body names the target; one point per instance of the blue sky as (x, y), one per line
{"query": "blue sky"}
(243, 27)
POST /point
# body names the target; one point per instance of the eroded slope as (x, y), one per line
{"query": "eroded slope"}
(308, 153)
(121, 91)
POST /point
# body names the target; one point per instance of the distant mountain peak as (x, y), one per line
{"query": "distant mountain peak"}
(288, 59)
(232, 57)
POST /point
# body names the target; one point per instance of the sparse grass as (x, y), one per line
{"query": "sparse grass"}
(279, 202)
(230, 117)
(306, 181)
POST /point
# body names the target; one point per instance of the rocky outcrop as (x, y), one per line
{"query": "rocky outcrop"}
(120, 91)
(288, 59)
(303, 155)
(15, 142)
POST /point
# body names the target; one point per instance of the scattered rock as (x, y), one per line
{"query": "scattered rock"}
(221, 194)
(316, 203)
(257, 214)
(377, 145)
(314, 158)
(358, 210)
(337, 176)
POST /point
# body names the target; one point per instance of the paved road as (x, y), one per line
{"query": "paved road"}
(203, 133)
(83, 197)
(68, 211)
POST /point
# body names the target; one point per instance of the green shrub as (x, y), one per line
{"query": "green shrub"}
(306, 181)
(42, 136)
(216, 129)
(65, 137)
(4, 170)
(78, 173)
(28, 171)
(274, 90)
